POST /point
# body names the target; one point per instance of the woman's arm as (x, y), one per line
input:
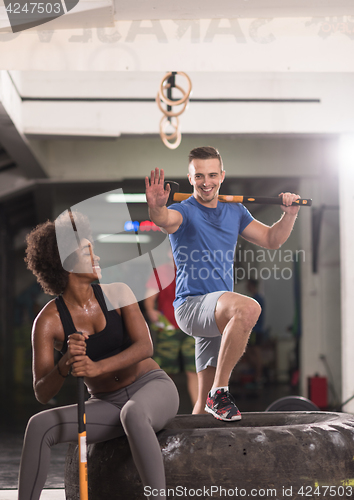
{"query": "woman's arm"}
(47, 380)
(141, 344)
(49, 377)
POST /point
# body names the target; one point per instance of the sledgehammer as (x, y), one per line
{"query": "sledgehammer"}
(227, 198)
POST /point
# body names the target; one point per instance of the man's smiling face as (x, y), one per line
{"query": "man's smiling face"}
(206, 177)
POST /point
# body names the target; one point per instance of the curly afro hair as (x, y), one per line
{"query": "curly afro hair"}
(42, 252)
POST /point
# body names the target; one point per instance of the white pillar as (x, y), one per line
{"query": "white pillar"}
(311, 342)
(346, 201)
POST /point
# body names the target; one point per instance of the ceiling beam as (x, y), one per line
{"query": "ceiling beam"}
(185, 9)
(252, 103)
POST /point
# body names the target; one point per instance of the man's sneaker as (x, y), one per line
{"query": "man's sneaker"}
(222, 406)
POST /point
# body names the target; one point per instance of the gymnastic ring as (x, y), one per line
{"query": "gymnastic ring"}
(162, 128)
(171, 113)
(186, 95)
(169, 101)
(172, 145)
(166, 138)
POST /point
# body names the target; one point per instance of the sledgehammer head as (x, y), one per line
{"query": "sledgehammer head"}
(174, 189)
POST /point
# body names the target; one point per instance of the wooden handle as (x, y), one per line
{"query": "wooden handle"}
(247, 199)
(83, 480)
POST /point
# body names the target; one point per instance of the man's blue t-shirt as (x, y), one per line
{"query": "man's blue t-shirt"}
(204, 245)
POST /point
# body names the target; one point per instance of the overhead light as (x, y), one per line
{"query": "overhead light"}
(126, 198)
(124, 238)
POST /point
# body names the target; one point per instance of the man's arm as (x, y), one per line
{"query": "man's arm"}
(274, 236)
(156, 197)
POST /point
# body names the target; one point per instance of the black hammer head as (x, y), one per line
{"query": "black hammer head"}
(174, 189)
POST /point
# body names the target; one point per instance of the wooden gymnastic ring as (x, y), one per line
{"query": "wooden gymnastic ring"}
(171, 102)
(172, 145)
(162, 129)
(184, 98)
(171, 113)
(168, 137)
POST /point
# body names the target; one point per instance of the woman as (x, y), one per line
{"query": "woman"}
(130, 394)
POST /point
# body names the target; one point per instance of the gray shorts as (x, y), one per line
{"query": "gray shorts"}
(196, 317)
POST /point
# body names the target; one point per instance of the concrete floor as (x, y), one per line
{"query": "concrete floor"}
(46, 495)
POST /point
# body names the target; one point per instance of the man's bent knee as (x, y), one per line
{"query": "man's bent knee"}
(232, 306)
(248, 313)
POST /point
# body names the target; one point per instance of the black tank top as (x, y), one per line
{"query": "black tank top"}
(112, 340)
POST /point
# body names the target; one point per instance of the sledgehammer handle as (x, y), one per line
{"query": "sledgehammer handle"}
(247, 199)
(82, 445)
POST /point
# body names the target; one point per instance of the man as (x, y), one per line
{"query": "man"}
(203, 234)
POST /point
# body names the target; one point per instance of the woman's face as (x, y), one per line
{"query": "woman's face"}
(87, 263)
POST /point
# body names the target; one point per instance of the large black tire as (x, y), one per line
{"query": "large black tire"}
(279, 455)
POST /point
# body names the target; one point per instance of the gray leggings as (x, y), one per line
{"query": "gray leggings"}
(139, 411)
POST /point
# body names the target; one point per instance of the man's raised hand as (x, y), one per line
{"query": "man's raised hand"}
(156, 194)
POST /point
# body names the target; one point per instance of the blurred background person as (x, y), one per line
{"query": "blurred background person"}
(174, 351)
(253, 352)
